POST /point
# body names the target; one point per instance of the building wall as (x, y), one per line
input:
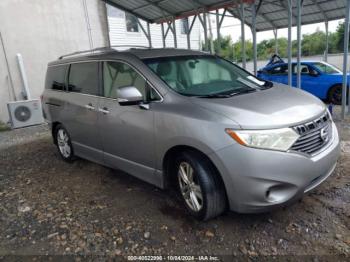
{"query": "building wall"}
(41, 31)
(119, 35)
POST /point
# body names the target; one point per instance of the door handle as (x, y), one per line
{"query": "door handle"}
(89, 106)
(104, 110)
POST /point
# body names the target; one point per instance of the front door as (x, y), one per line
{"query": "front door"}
(309, 81)
(127, 131)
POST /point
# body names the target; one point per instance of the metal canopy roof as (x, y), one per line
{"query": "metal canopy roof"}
(272, 14)
(155, 11)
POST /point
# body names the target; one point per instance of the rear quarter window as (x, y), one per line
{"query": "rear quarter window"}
(56, 77)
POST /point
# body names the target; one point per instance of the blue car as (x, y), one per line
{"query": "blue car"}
(318, 78)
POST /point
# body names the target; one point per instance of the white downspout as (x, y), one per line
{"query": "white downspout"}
(25, 88)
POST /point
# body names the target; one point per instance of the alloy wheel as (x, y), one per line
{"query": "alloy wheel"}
(189, 187)
(63, 143)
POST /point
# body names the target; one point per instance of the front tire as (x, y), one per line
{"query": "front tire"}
(199, 185)
(64, 144)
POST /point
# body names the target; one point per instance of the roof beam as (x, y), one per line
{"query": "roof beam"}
(286, 8)
(203, 9)
(112, 3)
(157, 5)
(320, 8)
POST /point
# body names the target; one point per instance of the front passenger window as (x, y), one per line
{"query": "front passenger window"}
(117, 75)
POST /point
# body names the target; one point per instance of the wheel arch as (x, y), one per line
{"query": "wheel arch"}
(334, 85)
(53, 128)
(171, 153)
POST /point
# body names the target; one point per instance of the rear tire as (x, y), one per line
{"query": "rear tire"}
(199, 185)
(64, 143)
(335, 95)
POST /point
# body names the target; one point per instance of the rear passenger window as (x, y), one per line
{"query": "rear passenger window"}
(83, 78)
(55, 77)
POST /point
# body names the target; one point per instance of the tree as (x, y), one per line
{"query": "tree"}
(340, 37)
(313, 44)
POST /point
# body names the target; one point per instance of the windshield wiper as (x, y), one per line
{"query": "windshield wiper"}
(226, 95)
(214, 96)
(243, 91)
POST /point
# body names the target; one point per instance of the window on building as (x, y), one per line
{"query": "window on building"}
(131, 23)
(185, 28)
(83, 78)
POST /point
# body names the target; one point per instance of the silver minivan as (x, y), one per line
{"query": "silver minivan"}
(193, 121)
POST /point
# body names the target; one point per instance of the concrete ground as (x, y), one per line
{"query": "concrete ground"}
(49, 207)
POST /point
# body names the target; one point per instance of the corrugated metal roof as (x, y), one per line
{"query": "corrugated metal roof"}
(156, 11)
(272, 14)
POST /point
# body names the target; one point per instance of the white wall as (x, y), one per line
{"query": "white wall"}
(42, 30)
(119, 35)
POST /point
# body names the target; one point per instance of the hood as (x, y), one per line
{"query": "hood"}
(279, 106)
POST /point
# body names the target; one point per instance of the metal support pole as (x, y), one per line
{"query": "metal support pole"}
(174, 33)
(212, 51)
(345, 61)
(149, 35)
(255, 56)
(290, 15)
(189, 32)
(218, 38)
(299, 7)
(275, 32)
(327, 43)
(244, 60)
(205, 32)
(188, 35)
(163, 37)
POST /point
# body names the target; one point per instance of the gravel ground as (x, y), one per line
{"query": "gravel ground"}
(49, 207)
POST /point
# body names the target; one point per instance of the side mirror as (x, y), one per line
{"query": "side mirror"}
(129, 95)
(313, 73)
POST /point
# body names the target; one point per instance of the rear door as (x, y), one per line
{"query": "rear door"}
(80, 110)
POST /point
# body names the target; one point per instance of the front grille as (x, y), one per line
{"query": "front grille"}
(314, 135)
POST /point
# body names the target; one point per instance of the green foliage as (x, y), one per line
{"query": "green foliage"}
(311, 44)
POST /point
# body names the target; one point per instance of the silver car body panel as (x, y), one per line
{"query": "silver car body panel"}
(136, 140)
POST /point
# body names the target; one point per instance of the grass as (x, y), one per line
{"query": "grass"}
(4, 127)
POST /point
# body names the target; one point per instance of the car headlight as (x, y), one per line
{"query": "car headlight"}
(274, 139)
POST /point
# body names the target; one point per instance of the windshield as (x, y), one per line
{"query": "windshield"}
(326, 68)
(203, 75)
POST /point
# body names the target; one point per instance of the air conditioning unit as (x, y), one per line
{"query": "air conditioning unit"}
(25, 113)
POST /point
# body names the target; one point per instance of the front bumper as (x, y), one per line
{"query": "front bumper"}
(259, 180)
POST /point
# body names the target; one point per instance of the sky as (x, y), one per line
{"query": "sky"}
(232, 26)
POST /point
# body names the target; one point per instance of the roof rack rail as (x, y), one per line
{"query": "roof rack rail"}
(101, 49)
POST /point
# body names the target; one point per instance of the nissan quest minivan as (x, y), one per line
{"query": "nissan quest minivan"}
(222, 137)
